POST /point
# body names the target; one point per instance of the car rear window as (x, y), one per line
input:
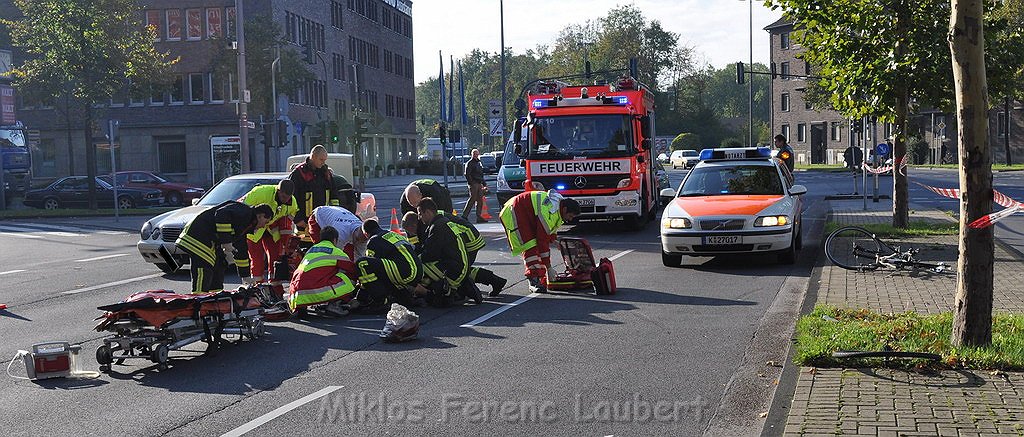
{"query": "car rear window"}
(723, 180)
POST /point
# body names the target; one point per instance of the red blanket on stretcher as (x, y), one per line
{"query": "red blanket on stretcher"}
(157, 307)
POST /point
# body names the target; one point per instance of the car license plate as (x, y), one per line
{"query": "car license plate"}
(723, 239)
(586, 202)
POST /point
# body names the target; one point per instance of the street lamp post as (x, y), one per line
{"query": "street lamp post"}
(504, 97)
(750, 83)
(242, 109)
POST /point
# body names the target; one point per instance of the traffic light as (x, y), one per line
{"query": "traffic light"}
(456, 135)
(741, 77)
(442, 133)
(307, 52)
(359, 129)
(334, 132)
(266, 137)
(282, 133)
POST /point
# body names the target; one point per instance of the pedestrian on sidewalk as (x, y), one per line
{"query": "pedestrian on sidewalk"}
(786, 153)
(475, 179)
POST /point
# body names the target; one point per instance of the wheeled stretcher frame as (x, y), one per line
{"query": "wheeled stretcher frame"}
(212, 317)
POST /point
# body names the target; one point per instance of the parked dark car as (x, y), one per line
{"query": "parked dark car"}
(73, 192)
(175, 193)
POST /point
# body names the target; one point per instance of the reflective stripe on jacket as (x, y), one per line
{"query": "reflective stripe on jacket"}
(527, 215)
(268, 194)
(320, 277)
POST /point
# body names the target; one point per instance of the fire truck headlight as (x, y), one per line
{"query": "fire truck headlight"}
(624, 183)
(537, 186)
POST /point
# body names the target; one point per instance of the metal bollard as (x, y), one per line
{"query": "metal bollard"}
(875, 193)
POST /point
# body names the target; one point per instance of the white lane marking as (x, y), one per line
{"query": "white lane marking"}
(253, 424)
(19, 234)
(63, 234)
(10, 271)
(505, 307)
(101, 257)
(498, 239)
(112, 232)
(113, 284)
(620, 255)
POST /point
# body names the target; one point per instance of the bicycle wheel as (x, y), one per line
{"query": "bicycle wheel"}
(854, 248)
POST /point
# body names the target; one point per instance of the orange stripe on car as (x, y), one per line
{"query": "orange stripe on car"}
(726, 204)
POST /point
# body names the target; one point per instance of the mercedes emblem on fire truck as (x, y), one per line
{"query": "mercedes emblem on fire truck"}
(580, 182)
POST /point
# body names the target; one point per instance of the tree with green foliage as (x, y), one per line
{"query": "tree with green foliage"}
(875, 56)
(686, 141)
(92, 50)
(264, 41)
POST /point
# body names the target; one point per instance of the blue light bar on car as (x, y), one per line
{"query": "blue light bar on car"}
(736, 153)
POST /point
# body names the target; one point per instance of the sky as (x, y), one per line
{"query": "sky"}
(718, 30)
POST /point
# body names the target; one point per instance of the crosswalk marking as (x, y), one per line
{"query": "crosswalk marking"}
(38, 230)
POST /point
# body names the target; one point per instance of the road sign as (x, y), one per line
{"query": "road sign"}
(494, 109)
(497, 127)
(882, 149)
(247, 124)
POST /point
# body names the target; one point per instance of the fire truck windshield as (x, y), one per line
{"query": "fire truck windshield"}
(592, 136)
(12, 137)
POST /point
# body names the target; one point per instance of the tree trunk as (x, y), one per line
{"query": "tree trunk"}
(900, 209)
(972, 313)
(90, 156)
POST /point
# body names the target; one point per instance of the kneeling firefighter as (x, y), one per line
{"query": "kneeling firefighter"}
(473, 242)
(323, 277)
(445, 263)
(388, 271)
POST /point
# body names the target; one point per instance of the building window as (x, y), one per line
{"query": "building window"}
(801, 133)
(340, 109)
(194, 24)
(785, 131)
(173, 24)
(408, 68)
(172, 157)
(410, 109)
(784, 70)
(807, 68)
(157, 97)
(197, 88)
(807, 104)
(44, 159)
(338, 66)
(178, 90)
(389, 105)
(837, 134)
(336, 14)
(214, 23)
(217, 86)
(155, 24)
(388, 60)
(1001, 124)
(784, 104)
(784, 40)
(399, 65)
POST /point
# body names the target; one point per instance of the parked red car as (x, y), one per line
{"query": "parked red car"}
(175, 193)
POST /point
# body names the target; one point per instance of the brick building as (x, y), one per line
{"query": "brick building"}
(177, 132)
(819, 136)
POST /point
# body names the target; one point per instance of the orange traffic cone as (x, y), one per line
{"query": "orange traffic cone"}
(485, 215)
(395, 227)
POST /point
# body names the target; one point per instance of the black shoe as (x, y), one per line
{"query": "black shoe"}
(536, 286)
(497, 285)
(474, 292)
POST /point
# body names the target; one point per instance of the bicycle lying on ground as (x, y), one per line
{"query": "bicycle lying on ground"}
(856, 248)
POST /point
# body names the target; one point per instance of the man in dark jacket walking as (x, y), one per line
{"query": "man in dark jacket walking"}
(786, 153)
(475, 179)
(314, 185)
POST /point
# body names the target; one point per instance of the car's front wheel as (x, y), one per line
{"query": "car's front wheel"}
(671, 259)
(174, 198)
(788, 256)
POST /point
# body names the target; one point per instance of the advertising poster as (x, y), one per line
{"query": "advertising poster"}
(226, 155)
(213, 23)
(7, 116)
(173, 24)
(229, 21)
(195, 23)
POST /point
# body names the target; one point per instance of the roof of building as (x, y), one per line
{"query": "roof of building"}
(781, 22)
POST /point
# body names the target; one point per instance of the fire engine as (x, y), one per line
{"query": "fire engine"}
(593, 144)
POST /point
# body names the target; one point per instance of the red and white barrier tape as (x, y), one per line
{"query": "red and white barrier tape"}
(900, 163)
(1012, 206)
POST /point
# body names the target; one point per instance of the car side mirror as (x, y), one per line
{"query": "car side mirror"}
(522, 163)
(667, 192)
(797, 190)
(195, 201)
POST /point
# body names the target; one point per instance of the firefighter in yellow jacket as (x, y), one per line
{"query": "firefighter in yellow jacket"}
(264, 244)
(531, 220)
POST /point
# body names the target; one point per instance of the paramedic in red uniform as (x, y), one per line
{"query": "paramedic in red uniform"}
(531, 220)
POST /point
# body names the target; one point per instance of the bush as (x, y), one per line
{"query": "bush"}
(686, 141)
(732, 142)
(919, 151)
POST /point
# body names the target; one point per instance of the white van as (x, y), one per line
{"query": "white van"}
(684, 158)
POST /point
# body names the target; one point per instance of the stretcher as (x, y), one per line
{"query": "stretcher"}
(150, 324)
